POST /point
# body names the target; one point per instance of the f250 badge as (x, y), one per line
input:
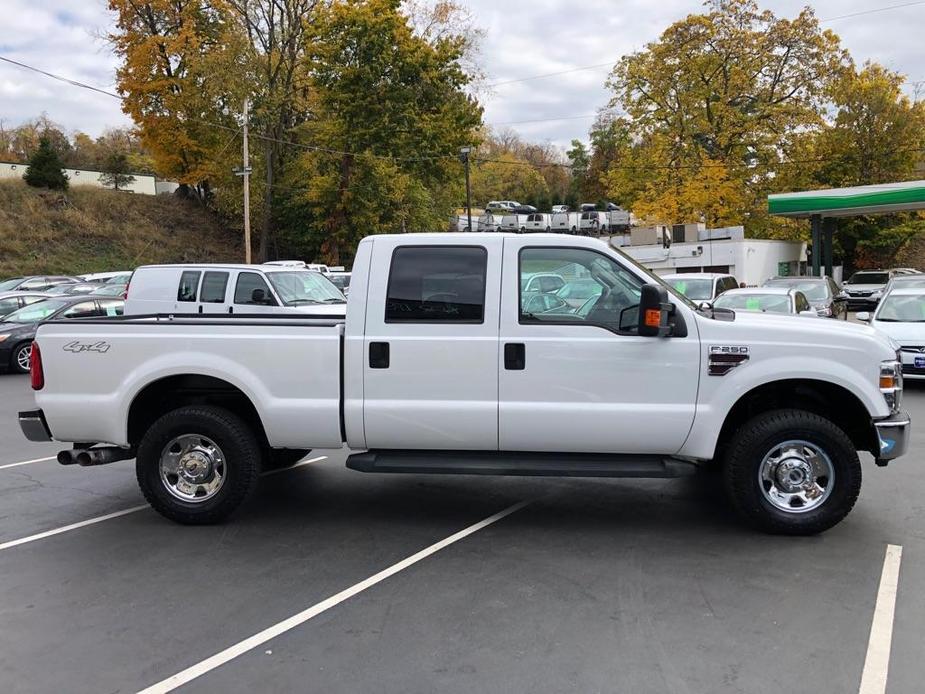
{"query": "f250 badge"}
(724, 358)
(79, 347)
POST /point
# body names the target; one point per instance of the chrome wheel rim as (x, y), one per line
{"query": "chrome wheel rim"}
(796, 476)
(192, 468)
(24, 358)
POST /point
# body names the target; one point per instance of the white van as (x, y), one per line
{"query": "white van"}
(565, 222)
(538, 221)
(232, 289)
(592, 223)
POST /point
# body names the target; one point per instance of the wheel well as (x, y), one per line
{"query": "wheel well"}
(837, 404)
(168, 394)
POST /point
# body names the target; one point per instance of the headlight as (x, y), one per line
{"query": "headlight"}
(824, 311)
(891, 383)
(3, 337)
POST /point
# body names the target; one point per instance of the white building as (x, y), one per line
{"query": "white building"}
(144, 184)
(726, 250)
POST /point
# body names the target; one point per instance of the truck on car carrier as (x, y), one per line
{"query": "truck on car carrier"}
(437, 368)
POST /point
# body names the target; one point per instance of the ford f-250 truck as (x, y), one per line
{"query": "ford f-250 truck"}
(438, 368)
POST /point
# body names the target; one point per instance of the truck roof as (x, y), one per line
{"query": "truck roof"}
(232, 266)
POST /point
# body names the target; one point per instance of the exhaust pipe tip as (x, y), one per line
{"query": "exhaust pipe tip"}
(83, 459)
(66, 457)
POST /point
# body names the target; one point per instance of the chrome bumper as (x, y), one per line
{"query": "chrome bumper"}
(893, 436)
(34, 426)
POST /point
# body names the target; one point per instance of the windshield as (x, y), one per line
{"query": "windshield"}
(766, 303)
(340, 281)
(869, 278)
(6, 285)
(814, 290)
(37, 312)
(305, 287)
(694, 289)
(119, 279)
(902, 308)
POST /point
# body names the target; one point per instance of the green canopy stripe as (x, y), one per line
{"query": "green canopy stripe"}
(783, 204)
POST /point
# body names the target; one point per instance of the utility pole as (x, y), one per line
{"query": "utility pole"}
(464, 156)
(245, 171)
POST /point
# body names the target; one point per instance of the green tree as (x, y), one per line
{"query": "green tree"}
(116, 171)
(45, 168)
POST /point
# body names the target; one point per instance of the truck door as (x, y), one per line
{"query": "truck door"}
(431, 344)
(574, 379)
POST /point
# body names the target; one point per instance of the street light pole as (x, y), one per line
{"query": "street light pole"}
(464, 156)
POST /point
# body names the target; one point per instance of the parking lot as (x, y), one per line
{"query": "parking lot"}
(591, 586)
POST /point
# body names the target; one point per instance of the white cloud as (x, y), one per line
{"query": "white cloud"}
(522, 38)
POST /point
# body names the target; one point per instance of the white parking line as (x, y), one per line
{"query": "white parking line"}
(297, 465)
(219, 659)
(28, 462)
(877, 662)
(68, 528)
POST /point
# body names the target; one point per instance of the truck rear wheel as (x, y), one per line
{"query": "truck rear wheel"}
(195, 465)
(792, 472)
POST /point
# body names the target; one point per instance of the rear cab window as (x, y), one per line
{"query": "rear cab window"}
(437, 284)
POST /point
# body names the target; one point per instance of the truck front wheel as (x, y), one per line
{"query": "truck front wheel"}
(792, 472)
(195, 465)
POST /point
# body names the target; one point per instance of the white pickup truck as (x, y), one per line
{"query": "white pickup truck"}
(438, 368)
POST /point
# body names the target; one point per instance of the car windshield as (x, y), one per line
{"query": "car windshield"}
(37, 312)
(766, 303)
(305, 287)
(110, 290)
(902, 308)
(694, 289)
(6, 285)
(869, 278)
(119, 279)
(340, 281)
(815, 290)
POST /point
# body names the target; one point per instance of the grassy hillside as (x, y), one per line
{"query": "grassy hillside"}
(95, 230)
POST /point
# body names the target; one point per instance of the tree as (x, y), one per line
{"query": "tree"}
(390, 115)
(116, 171)
(736, 87)
(45, 168)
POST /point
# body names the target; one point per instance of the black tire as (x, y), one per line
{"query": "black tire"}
(14, 357)
(281, 458)
(242, 463)
(757, 438)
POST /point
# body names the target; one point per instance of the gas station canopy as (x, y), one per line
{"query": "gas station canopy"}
(846, 202)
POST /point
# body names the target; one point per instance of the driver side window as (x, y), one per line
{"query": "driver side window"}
(614, 307)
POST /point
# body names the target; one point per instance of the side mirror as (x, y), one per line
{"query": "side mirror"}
(258, 296)
(705, 305)
(654, 309)
(863, 316)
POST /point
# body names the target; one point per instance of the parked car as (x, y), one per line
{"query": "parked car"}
(766, 300)
(644, 385)
(901, 316)
(75, 288)
(35, 283)
(565, 222)
(537, 303)
(15, 300)
(524, 209)
(17, 331)
(560, 209)
(862, 287)
(547, 282)
(156, 289)
(907, 280)
(577, 292)
(538, 221)
(488, 222)
(514, 222)
(618, 219)
(592, 223)
(341, 280)
(701, 286)
(587, 207)
(107, 289)
(823, 293)
(501, 207)
(120, 277)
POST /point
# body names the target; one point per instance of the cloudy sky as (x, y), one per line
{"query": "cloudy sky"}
(523, 38)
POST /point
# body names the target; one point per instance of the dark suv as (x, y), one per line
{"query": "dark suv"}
(823, 293)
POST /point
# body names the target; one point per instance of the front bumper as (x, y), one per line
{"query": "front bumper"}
(862, 302)
(893, 435)
(34, 426)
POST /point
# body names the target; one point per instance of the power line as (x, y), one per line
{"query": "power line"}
(873, 10)
(544, 120)
(59, 77)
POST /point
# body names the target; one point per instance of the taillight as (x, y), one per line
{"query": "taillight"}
(35, 368)
(125, 293)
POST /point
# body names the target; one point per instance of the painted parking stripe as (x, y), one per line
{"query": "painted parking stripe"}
(118, 514)
(27, 462)
(297, 465)
(232, 652)
(877, 662)
(68, 528)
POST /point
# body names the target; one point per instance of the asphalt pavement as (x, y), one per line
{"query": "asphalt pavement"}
(334, 581)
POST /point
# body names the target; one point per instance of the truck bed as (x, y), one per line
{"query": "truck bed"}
(288, 367)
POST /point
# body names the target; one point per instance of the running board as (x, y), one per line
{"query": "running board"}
(514, 463)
